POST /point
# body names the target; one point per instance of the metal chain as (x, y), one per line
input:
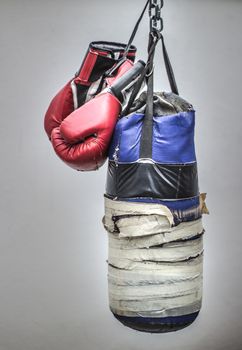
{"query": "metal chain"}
(156, 21)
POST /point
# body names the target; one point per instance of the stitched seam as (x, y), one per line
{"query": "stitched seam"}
(179, 182)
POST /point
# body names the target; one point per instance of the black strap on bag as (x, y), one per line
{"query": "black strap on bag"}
(156, 27)
(147, 128)
(112, 70)
(131, 39)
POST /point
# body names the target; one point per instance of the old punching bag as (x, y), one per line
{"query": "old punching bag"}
(153, 210)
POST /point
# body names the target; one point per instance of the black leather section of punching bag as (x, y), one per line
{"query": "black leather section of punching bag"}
(152, 180)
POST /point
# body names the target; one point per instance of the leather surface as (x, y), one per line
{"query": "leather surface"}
(60, 107)
(82, 139)
(157, 325)
(170, 173)
(173, 138)
(152, 180)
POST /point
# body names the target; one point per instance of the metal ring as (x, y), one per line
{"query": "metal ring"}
(151, 72)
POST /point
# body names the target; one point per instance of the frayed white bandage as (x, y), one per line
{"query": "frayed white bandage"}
(155, 268)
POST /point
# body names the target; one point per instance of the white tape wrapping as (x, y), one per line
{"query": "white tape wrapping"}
(136, 219)
(155, 268)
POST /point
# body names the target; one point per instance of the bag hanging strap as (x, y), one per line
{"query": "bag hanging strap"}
(131, 39)
(156, 27)
(169, 71)
(147, 127)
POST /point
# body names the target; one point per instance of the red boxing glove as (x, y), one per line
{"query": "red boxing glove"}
(83, 138)
(88, 82)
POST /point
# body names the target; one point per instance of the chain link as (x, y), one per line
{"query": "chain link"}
(156, 21)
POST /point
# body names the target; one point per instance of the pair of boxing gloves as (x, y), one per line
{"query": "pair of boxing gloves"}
(82, 116)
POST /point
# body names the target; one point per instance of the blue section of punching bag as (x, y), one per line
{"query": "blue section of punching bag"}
(158, 324)
(127, 136)
(173, 139)
(160, 320)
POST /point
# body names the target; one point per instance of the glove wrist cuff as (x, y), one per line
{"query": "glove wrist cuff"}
(100, 57)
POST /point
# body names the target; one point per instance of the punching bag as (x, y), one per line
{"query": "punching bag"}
(153, 210)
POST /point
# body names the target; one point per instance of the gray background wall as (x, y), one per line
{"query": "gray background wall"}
(53, 288)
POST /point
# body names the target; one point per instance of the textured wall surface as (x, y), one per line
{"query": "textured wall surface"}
(53, 286)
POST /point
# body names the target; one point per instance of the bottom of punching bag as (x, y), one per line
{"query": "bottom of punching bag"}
(157, 325)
